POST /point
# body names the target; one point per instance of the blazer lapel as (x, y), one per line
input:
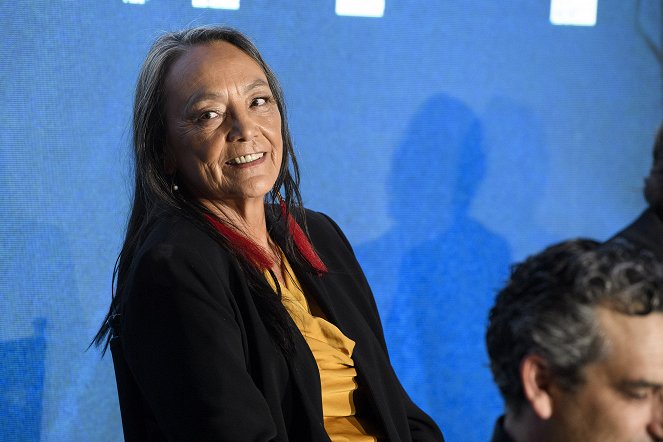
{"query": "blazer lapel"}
(302, 365)
(313, 284)
(371, 378)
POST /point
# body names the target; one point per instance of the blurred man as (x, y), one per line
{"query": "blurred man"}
(576, 346)
(647, 231)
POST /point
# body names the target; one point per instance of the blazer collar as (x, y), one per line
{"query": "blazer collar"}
(313, 284)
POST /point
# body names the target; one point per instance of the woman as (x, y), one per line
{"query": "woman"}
(229, 322)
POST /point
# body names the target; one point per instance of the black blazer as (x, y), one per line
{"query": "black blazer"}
(646, 232)
(194, 360)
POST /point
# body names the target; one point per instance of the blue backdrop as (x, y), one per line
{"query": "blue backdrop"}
(448, 139)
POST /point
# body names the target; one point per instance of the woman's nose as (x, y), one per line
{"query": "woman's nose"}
(243, 127)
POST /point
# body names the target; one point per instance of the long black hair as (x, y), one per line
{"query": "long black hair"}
(153, 193)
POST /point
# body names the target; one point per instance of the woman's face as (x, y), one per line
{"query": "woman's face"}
(223, 125)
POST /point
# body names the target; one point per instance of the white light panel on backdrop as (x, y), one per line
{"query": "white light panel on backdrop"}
(360, 8)
(573, 12)
(216, 4)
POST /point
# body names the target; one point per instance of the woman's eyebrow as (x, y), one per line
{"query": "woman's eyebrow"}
(200, 96)
(256, 84)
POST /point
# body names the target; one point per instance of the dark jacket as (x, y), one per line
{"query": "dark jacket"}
(499, 433)
(646, 232)
(194, 360)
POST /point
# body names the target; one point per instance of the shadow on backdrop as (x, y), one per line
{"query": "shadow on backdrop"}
(518, 163)
(22, 385)
(23, 327)
(39, 300)
(435, 272)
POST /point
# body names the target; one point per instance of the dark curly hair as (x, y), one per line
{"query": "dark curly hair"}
(548, 307)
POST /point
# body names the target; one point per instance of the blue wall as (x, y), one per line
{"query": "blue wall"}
(448, 139)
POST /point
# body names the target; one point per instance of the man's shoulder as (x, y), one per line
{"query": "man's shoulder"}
(644, 232)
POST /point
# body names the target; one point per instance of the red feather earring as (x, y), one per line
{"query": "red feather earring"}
(257, 256)
(251, 251)
(301, 241)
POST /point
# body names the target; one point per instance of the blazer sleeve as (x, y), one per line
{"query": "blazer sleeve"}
(184, 346)
(422, 426)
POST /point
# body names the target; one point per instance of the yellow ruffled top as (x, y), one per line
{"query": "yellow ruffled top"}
(332, 351)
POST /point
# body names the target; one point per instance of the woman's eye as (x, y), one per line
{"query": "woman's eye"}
(208, 115)
(260, 101)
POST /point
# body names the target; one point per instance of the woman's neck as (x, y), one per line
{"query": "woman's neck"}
(247, 214)
(248, 218)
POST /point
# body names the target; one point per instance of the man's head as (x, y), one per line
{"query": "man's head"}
(576, 345)
(654, 182)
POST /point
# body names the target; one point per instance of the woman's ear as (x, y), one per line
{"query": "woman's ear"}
(536, 379)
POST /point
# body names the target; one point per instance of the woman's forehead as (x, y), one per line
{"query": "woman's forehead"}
(203, 65)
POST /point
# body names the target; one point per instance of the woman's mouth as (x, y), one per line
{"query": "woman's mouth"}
(246, 159)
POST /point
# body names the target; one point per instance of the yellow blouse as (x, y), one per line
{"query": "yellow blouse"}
(332, 351)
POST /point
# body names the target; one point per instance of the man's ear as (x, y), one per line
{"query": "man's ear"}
(536, 379)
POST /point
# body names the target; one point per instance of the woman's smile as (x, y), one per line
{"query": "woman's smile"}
(248, 160)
